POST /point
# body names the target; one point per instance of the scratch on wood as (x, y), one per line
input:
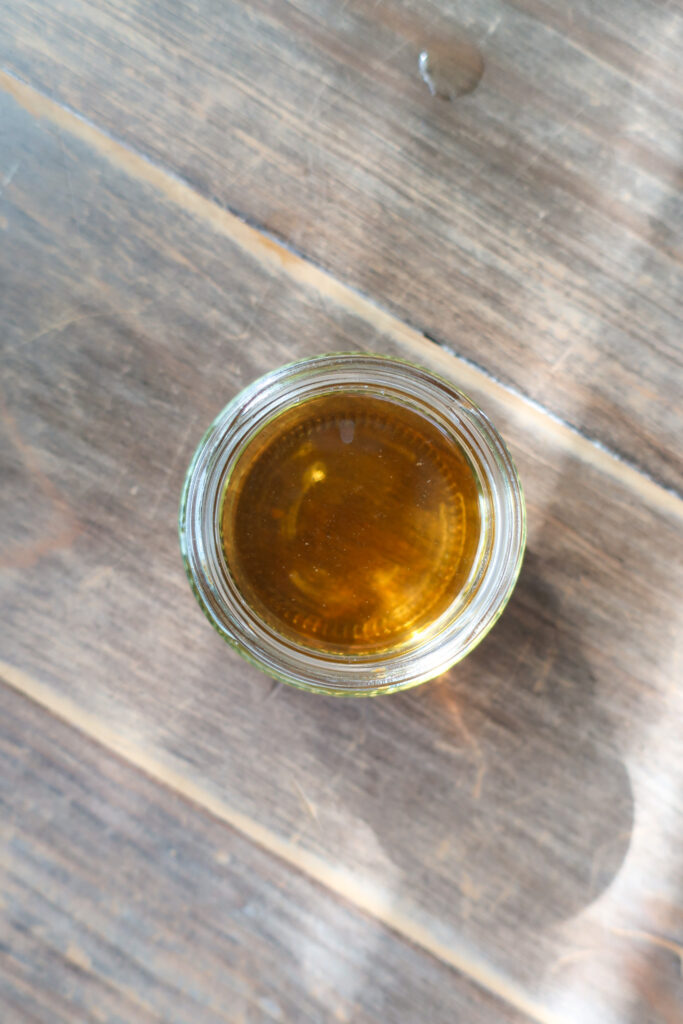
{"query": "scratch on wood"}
(96, 578)
(493, 27)
(471, 894)
(10, 174)
(67, 174)
(58, 325)
(311, 811)
(78, 957)
(308, 804)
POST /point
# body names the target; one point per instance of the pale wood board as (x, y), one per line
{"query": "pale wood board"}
(519, 819)
(533, 225)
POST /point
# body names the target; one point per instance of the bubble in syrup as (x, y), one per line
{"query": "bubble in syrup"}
(347, 430)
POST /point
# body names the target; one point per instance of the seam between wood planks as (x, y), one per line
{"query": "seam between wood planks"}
(270, 251)
(369, 899)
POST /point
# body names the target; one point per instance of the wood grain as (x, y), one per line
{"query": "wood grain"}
(532, 226)
(123, 902)
(519, 819)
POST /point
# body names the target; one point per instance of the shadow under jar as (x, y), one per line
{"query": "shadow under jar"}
(352, 524)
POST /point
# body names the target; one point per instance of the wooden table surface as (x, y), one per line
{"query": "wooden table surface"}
(193, 192)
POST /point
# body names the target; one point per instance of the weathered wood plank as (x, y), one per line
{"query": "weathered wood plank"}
(518, 819)
(123, 902)
(533, 225)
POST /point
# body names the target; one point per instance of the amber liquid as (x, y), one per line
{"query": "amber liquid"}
(350, 524)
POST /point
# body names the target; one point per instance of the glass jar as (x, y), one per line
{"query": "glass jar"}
(436, 645)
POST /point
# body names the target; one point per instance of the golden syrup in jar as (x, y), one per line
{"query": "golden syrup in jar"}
(350, 523)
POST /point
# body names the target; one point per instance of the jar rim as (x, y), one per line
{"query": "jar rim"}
(467, 620)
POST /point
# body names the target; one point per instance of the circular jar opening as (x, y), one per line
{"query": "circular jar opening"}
(352, 524)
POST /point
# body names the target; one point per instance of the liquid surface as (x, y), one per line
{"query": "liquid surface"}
(350, 523)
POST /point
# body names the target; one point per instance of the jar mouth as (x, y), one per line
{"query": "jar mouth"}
(431, 649)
